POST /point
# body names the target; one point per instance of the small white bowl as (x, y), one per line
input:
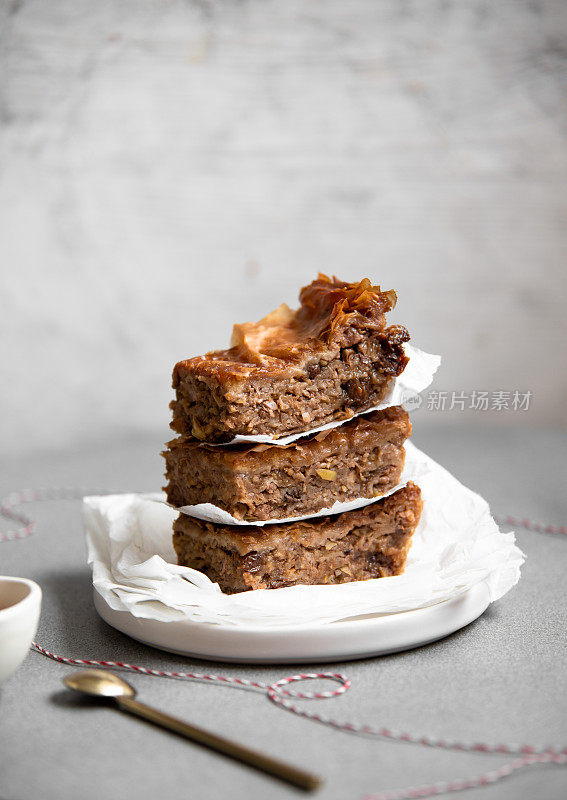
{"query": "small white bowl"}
(20, 604)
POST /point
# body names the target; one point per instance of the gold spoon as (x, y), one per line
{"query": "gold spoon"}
(105, 684)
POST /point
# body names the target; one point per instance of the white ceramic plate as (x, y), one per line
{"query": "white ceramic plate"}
(334, 641)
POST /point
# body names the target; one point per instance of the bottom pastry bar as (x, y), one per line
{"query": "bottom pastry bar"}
(370, 542)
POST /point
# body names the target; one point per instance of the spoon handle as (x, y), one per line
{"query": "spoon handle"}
(285, 772)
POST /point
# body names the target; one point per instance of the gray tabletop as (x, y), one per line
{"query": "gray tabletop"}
(501, 678)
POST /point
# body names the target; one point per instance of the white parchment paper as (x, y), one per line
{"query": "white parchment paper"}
(457, 545)
(416, 377)
(413, 470)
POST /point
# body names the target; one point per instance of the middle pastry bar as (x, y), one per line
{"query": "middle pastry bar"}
(254, 483)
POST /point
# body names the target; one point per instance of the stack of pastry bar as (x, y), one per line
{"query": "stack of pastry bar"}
(291, 372)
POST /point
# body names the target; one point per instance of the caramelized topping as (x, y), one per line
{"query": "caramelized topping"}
(328, 308)
(333, 315)
(329, 305)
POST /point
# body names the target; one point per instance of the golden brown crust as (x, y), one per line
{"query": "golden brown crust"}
(333, 314)
(293, 371)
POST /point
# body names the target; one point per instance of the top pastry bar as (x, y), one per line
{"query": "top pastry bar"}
(294, 370)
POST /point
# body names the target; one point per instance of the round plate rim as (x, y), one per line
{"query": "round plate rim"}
(388, 633)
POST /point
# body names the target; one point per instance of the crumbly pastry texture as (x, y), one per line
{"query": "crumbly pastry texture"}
(294, 370)
(370, 542)
(362, 458)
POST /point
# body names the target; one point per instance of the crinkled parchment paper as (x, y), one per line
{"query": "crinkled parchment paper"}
(456, 545)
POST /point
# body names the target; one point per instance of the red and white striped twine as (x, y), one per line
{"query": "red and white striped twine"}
(16, 499)
(280, 694)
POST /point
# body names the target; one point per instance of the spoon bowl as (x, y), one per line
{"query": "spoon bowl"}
(99, 683)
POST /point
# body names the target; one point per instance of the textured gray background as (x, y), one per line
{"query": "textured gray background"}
(169, 167)
(502, 678)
